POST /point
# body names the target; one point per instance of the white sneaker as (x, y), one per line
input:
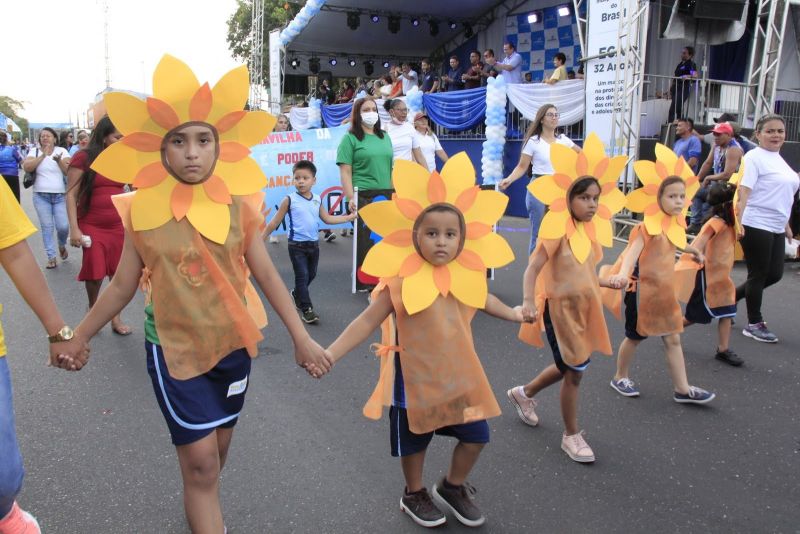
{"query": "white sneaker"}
(273, 239)
(524, 405)
(577, 448)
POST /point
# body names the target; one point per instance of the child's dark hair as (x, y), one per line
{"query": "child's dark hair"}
(720, 198)
(441, 207)
(581, 185)
(304, 164)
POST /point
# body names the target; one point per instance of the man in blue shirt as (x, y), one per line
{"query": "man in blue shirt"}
(686, 144)
(430, 80)
(453, 81)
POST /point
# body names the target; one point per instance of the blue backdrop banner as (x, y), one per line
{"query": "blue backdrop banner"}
(334, 114)
(457, 110)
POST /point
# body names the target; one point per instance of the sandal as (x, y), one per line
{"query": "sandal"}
(121, 330)
(63, 252)
(51, 264)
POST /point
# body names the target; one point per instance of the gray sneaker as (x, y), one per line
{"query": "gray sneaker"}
(310, 316)
(460, 502)
(759, 332)
(422, 509)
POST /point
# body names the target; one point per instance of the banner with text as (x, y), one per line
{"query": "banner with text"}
(279, 151)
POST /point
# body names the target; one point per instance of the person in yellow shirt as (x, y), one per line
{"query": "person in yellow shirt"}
(18, 261)
(560, 72)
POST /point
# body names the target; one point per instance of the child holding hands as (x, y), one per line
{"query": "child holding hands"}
(437, 243)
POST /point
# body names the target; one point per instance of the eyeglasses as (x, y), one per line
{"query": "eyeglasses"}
(550, 115)
(401, 110)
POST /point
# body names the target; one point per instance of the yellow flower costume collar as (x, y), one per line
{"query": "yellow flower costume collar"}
(645, 199)
(178, 99)
(553, 190)
(395, 255)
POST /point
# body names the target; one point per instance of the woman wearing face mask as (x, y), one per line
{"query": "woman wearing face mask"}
(50, 163)
(405, 142)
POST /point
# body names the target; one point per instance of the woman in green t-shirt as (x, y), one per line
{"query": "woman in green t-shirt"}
(365, 153)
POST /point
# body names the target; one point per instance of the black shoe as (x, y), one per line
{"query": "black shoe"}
(294, 298)
(693, 229)
(330, 236)
(421, 508)
(460, 502)
(310, 316)
(729, 357)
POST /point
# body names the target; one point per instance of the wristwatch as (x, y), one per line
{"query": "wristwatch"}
(65, 334)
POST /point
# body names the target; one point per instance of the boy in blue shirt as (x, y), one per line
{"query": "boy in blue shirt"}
(304, 209)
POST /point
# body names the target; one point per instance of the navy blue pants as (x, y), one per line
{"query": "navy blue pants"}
(305, 257)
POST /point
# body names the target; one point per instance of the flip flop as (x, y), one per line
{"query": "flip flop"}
(51, 264)
(122, 330)
(63, 252)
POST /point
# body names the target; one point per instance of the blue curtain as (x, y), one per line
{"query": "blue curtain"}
(457, 110)
(334, 114)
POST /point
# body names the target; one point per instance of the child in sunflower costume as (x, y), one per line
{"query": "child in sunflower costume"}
(193, 228)
(646, 268)
(561, 281)
(437, 244)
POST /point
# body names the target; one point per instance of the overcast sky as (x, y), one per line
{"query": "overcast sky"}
(54, 52)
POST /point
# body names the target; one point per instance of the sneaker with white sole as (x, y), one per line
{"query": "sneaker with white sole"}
(421, 508)
(695, 396)
(577, 448)
(525, 405)
(625, 387)
(460, 502)
(760, 332)
(310, 316)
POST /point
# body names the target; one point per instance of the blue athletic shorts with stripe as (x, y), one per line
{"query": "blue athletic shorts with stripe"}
(550, 330)
(405, 442)
(195, 407)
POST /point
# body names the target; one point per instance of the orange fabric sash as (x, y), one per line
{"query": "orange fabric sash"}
(719, 256)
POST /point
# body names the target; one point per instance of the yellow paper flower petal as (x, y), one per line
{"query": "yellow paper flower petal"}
(211, 219)
(384, 260)
(488, 208)
(493, 250)
(580, 244)
(604, 231)
(122, 163)
(554, 224)
(614, 200)
(563, 158)
(468, 286)
(251, 130)
(653, 223)
(666, 156)
(637, 200)
(459, 174)
(410, 181)
(384, 217)
(150, 207)
(594, 150)
(419, 290)
(230, 93)
(646, 172)
(129, 114)
(242, 177)
(616, 166)
(676, 234)
(174, 82)
(546, 189)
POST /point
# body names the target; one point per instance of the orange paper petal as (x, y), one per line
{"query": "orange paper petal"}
(581, 165)
(591, 233)
(559, 204)
(467, 198)
(181, 200)
(400, 238)
(661, 169)
(233, 151)
(608, 187)
(665, 223)
(217, 190)
(603, 211)
(150, 176)
(471, 261)
(409, 208)
(476, 230)
(200, 104)
(570, 227)
(600, 168)
(411, 265)
(651, 189)
(652, 209)
(441, 278)
(142, 141)
(437, 190)
(162, 113)
(563, 181)
(229, 121)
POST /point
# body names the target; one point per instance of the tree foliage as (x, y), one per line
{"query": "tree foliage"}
(12, 108)
(277, 13)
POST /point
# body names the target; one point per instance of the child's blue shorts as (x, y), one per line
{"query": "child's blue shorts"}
(550, 330)
(405, 443)
(195, 407)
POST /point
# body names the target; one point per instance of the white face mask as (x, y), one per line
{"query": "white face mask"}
(370, 118)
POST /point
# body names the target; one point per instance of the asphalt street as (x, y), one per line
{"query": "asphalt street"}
(304, 459)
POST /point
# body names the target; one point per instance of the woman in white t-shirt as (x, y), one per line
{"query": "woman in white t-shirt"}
(428, 142)
(405, 143)
(50, 163)
(766, 194)
(536, 154)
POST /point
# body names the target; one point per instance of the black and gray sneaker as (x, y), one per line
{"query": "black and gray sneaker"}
(330, 236)
(421, 508)
(310, 316)
(460, 502)
(729, 357)
(294, 298)
(760, 332)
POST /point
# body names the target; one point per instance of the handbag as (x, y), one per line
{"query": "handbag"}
(30, 177)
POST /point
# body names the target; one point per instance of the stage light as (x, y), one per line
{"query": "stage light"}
(313, 65)
(452, 25)
(351, 62)
(369, 67)
(333, 61)
(394, 23)
(468, 30)
(353, 20)
(534, 17)
(563, 11)
(374, 18)
(415, 22)
(385, 63)
(294, 62)
(434, 27)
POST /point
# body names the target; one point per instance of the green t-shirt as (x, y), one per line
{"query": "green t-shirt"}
(371, 160)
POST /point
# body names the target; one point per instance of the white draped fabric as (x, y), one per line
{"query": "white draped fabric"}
(568, 96)
(298, 117)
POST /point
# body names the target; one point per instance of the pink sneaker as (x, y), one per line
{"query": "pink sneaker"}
(577, 448)
(18, 521)
(524, 405)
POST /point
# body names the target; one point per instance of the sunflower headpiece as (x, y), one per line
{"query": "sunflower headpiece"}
(646, 199)
(553, 190)
(179, 100)
(396, 255)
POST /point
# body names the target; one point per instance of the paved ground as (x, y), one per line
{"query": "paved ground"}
(304, 459)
